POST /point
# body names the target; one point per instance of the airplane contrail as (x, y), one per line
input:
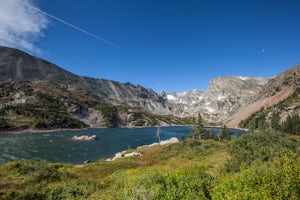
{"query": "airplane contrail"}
(69, 24)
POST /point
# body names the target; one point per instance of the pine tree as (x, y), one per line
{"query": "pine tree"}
(158, 134)
(287, 125)
(199, 128)
(226, 134)
(211, 134)
(194, 127)
(275, 119)
(223, 133)
(296, 124)
(292, 125)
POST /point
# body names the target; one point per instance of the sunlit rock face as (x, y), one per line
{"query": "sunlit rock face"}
(16, 65)
(180, 103)
(224, 96)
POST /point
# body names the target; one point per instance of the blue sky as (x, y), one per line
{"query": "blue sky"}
(168, 45)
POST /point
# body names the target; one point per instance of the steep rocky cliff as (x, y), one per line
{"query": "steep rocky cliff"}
(16, 65)
(282, 81)
(280, 92)
(46, 105)
(224, 96)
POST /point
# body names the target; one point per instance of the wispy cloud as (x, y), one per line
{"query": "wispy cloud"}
(20, 26)
(68, 24)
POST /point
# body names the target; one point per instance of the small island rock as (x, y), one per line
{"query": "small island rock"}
(84, 137)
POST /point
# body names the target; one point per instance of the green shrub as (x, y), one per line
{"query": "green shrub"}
(277, 179)
(63, 190)
(190, 148)
(140, 122)
(263, 146)
(153, 123)
(35, 172)
(256, 121)
(29, 193)
(108, 111)
(187, 183)
(3, 124)
(73, 190)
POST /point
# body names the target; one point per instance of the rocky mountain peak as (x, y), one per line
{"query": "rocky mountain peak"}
(162, 94)
(224, 96)
(16, 65)
(234, 86)
(282, 81)
(229, 85)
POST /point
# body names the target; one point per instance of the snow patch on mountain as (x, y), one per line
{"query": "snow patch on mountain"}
(171, 97)
(189, 97)
(220, 97)
(210, 109)
(244, 78)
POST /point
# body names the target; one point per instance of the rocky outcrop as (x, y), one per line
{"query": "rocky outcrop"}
(125, 154)
(172, 140)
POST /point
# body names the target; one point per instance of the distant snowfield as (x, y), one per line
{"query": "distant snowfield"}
(243, 78)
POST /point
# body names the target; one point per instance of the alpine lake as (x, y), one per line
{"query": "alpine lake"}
(59, 146)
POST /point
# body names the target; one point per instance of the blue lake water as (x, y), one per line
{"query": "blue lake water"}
(58, 146)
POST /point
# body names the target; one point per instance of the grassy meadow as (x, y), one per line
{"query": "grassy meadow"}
(258, 165)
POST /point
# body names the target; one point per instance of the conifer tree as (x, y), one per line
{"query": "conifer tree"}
(211, 134)
(158, 134)
(292, 125)
(275, 119)
(199, 128)
(223, 133)
(194, 127)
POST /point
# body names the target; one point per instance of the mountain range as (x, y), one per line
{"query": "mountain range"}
(31, 83)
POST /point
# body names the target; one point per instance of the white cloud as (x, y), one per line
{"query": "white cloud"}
(20, 25)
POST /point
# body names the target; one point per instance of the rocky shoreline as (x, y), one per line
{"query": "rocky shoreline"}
(24, 131)
(124, 154)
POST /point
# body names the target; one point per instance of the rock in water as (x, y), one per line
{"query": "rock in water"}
(84, 138)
